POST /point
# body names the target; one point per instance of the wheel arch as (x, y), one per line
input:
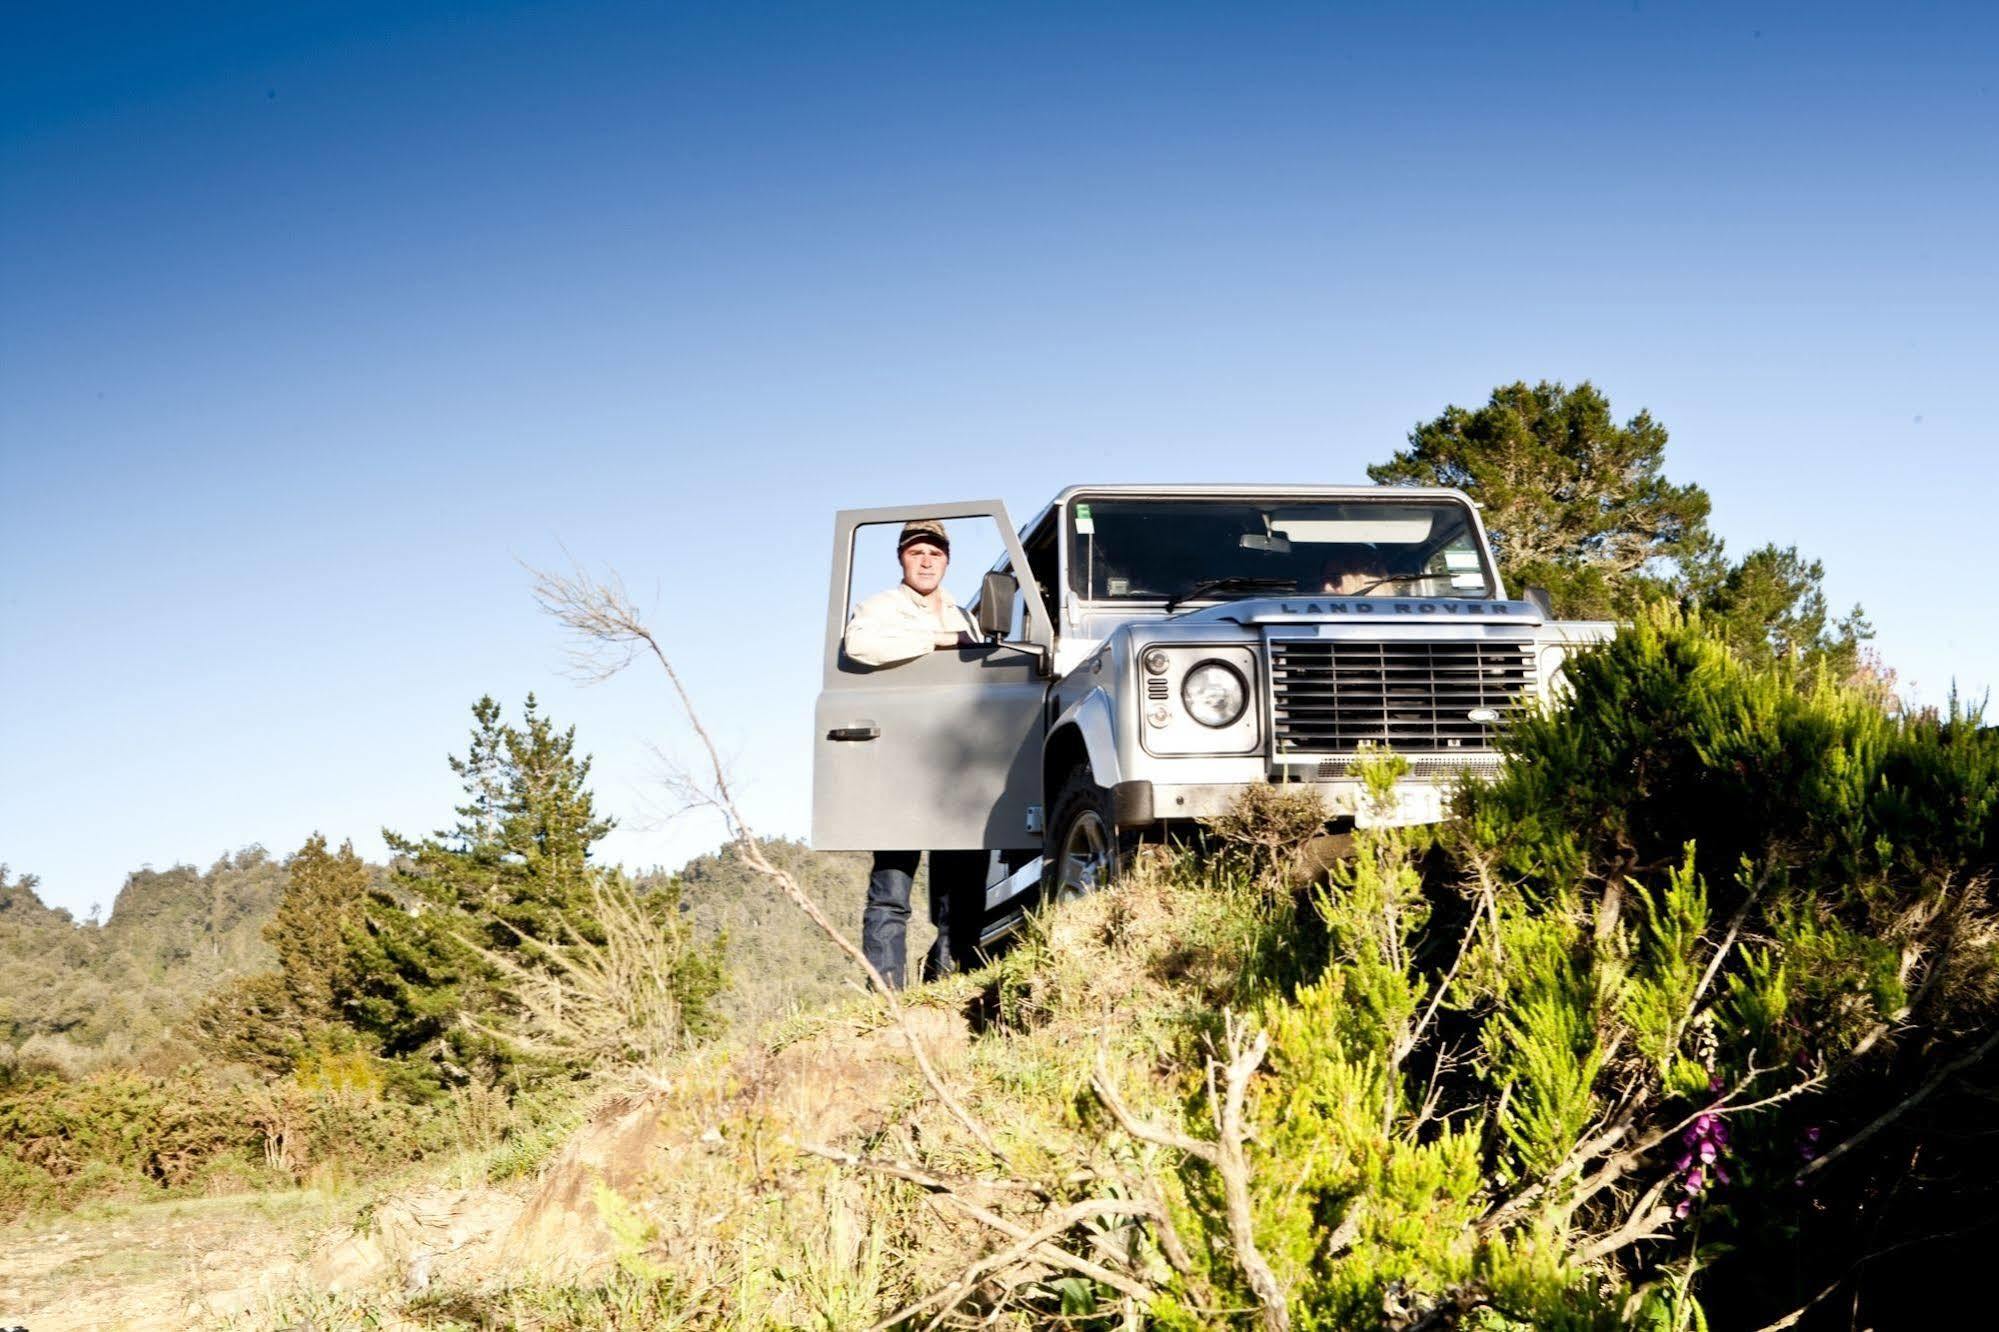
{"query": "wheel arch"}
(1083, 735)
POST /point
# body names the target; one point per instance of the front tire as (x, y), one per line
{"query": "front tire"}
(1083, 848)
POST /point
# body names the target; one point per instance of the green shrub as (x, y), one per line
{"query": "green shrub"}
(1712, 922)
(124, 1134)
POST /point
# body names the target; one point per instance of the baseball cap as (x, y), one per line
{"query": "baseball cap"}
(924, 529)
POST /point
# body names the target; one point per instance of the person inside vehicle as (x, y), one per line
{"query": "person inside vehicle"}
(1357, 574)
(911, 620)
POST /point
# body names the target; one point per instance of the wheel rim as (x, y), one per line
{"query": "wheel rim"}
(1087, 860)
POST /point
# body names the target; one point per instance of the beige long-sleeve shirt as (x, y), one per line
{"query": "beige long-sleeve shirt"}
(895, 626)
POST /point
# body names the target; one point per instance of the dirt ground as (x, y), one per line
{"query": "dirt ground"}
(242, 1263)
(313, 1258)
(150, 1267)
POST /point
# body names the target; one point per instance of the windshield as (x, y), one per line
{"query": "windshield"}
(1139, 549)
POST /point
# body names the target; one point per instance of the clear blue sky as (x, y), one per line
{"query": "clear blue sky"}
(315, 318)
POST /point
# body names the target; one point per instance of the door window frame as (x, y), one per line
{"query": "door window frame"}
(847, 522)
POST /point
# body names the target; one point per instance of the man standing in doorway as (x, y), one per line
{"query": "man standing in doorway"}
(913, 619)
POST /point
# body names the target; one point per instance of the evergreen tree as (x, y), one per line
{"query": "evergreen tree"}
(1573, 501)
(1770, 608)
(519, 855)
(271, 1018)
(322, 895)
(512, 879)
(1579, 504)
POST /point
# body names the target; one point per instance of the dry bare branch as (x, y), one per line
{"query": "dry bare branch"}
(1170, 1243)
(926, 1179)
(1030, 1243)
(1728, 937)
(1233, 1164)
(1058, 1257)
(1225, 1155)
(1415, 1034)
(1642, 1222)
(1616, 1167)
(1347, 1231)
(1106, 1090)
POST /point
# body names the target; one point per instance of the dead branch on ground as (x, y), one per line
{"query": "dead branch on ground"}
(1225, 1154)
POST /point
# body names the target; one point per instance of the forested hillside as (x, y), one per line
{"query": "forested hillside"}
(73, 994)
(76, 995)
(776, 960)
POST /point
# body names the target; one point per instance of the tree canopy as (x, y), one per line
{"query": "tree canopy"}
(1573, 501)
(1579, 504)
(511, 877)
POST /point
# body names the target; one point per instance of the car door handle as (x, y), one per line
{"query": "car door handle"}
(868, 731)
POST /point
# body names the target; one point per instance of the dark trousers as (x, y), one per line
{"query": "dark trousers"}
(957, 893)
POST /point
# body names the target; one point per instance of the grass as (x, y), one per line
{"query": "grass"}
(738, 1229)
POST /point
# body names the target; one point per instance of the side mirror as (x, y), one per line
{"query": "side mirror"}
(1538, 598)
(996, 598)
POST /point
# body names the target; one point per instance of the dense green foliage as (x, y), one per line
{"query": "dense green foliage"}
(122, 1133)
(510, 876)
(1698, 1001)
(1689, 1017)
(1573, 501)
(78, 995)
(1724, 881)
(1578, 504)
(273, 1020)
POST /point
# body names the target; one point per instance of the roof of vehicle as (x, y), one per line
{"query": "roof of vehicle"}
(1233, 488)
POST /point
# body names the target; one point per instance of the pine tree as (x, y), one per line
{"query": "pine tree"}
(1573, 501)
(322, 894)
(1770, 608)
(1580, 505)
(512, 878)
(270, 1019)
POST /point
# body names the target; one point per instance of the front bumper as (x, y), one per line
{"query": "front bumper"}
(1141, 804)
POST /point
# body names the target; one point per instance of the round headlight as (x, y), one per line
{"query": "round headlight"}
(1214, 693)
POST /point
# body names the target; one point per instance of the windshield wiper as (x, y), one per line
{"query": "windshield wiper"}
(1202, 589)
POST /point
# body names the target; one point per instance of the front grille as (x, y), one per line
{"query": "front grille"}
(1422, 765)
(1330, 696)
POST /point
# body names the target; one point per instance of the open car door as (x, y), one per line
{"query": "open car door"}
(942, 753)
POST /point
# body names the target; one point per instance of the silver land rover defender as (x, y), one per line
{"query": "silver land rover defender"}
(1151, 651)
